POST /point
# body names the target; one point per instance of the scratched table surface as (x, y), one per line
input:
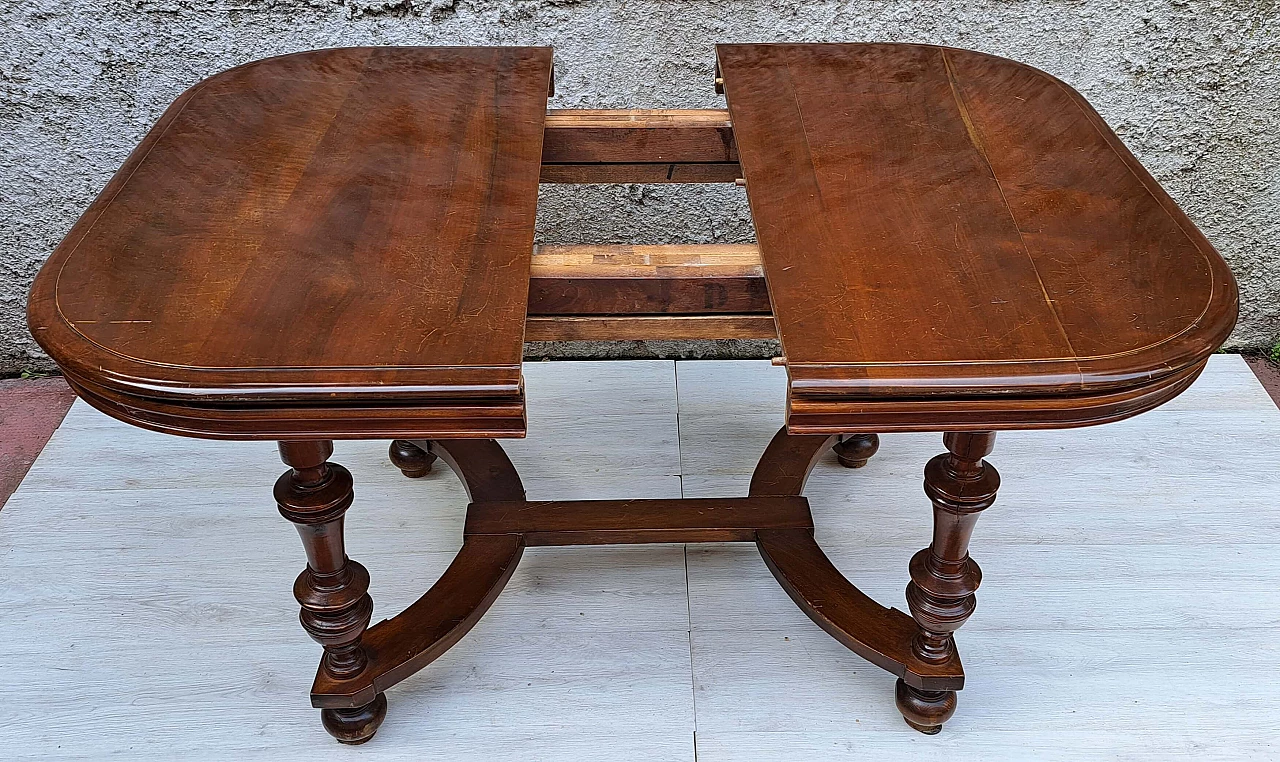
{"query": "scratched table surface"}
(339, 223)
(936, 221)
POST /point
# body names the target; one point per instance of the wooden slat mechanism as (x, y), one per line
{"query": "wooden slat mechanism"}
(639, 146)
(607, 522)
(648, 280)
(616, 293)
(649, 328)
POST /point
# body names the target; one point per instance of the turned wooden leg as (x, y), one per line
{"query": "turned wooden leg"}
(943, 577)
(333, 590)
(413, 460)
(854, 450)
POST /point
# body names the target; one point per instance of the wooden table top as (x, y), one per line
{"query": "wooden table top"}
(338, 244)
(306, 229)
(938, 223)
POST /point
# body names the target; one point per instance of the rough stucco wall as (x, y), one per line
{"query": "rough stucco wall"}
(1193, 87)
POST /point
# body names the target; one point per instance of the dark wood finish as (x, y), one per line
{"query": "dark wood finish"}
(619, 293)
(882, 636)
(639, 146)
(338, 244)
(333, 590)
(321, 227)
(638, 136)
(483, 468)
(695, 279)
(812, 415)
(355, 420)
(413, 461)
(924, 711)
(614, 522)
(648, 327)
(943, 225)
(943, 576)
(585, 174)
(417, 636)
(355, 725)
(501, 523)
(854, 450)
(404, 644)
(787, 462)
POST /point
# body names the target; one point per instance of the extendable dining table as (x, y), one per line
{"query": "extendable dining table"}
(339, 244)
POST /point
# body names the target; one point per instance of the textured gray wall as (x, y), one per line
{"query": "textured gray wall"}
(1192, 87)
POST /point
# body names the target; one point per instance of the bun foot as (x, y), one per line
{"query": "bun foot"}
(355, 726)
(854, 450)
(413, 461)
(925, 711)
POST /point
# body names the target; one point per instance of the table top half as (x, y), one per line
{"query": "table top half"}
(336, 225)
(352, 229)
(935, 221)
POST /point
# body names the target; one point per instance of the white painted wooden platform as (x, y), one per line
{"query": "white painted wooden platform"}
(1129, 609)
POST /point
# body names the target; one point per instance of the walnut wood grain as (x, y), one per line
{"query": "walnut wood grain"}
(333, 590)
(429, 627)
(310, 228)
(610, 522)
(834, 415)
(648, 327)
(413, 461)
(943, 577)
(878, 634)
(338, 244)
(639, 146)
(854, 450)
(938, 224)
(396, 648)
(463, 419)
(689, 173)
(694, 279)
(501, 523)
(787, 462)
